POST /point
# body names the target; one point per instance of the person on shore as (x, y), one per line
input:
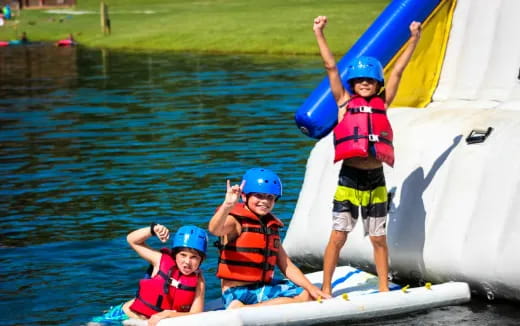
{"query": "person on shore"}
(176, 286)
(69, 41)
(363, 141)
(250, 246)
(24, 38)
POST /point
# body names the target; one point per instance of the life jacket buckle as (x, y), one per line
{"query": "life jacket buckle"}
(373, 138)
(173, 282)
(365, 109)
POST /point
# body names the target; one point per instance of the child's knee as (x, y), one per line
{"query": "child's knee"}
(235, 304)
(338, 238)
(304, 296)
(379, 241)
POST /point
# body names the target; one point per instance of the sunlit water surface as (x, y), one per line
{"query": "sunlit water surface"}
(94, 144)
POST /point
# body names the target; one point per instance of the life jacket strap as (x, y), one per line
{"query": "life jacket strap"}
(261, 251)
(149, 305)
(176, 284)
(171, 281)
(366, 109)
(371, 137)
(265, 266)
(252, 229)
(263, 230)
(166, 277)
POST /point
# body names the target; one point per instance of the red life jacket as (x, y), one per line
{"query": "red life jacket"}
(364, 130)
(169, 289)
(252, 256)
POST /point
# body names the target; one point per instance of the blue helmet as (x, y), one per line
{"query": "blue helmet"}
(262, 181)
(368, 67)
(190, 236)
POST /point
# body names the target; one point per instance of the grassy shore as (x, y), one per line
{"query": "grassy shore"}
(215, 26)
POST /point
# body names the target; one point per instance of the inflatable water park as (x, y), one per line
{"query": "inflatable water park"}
(452, 222)
(456, 176)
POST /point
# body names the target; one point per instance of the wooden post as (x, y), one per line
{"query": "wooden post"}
(105, 20)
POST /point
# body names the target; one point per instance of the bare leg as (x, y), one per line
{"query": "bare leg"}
(130, 313)
(302, 297)
(235, 304)
(330, 260)
(381, 260)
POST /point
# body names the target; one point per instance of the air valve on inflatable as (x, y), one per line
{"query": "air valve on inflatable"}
(478, 136)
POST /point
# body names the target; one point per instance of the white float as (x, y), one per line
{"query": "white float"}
(355, 298)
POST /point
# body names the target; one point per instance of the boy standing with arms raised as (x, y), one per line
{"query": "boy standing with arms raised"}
(363, 140)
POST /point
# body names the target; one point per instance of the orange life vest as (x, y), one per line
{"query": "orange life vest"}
(364, 130)
(169, 289)
(252, 256)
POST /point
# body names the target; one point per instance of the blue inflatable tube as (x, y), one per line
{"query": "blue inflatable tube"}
(389, 32)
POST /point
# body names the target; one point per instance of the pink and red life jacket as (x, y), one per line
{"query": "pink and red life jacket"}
(169, 289)
(364, 130)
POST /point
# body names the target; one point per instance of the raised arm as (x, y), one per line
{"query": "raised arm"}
(136, 239)
(338, 91)
(222, 223)
(392, 84)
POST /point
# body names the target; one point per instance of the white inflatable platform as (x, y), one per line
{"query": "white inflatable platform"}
(355, 298)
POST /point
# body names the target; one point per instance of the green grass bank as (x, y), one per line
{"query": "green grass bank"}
(212, 26)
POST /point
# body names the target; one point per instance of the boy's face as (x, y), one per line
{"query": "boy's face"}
(260, 204)
(188, 261)
(365, 87)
